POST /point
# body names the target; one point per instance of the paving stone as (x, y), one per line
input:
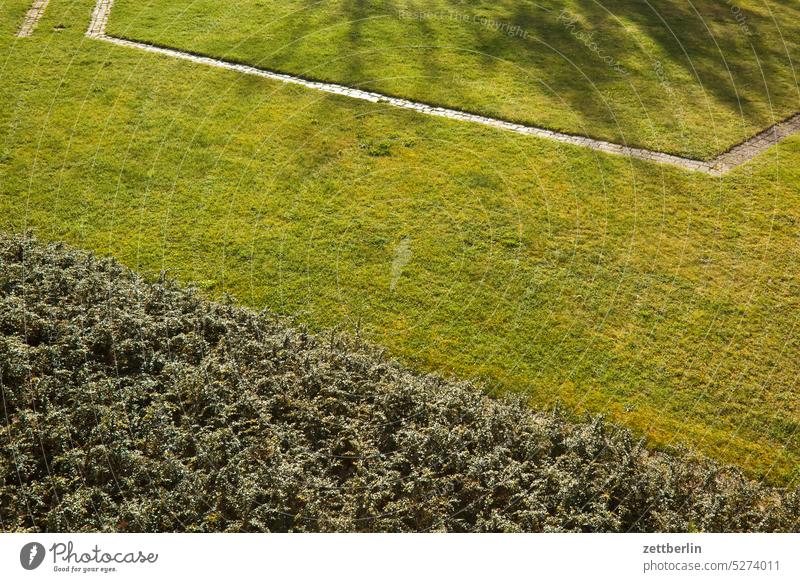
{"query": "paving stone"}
(32, 17)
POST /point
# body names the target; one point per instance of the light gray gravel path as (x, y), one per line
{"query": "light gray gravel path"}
(32, 18)
(718, 166)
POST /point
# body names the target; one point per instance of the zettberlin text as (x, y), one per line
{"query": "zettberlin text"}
(687, 548)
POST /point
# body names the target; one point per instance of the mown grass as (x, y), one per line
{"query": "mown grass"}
(139, 407)
(692, 78)
(667, 299)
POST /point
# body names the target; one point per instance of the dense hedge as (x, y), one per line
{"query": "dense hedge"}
(134, 406)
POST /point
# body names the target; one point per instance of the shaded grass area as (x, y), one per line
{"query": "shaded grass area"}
(691, 78)
(667, 299)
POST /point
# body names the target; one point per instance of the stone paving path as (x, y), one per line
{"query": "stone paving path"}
(746, 151)
(97, 26)
(32, 17)
(718, 166)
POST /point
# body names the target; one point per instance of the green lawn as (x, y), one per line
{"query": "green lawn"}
(669, 300)
(692, 78)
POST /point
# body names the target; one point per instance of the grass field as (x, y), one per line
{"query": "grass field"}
(691, 78)
(667, 299)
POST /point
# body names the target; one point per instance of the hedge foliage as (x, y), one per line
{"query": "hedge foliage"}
(136, 406)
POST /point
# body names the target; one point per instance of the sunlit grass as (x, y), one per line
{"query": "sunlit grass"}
(667, 299)
(692, 78)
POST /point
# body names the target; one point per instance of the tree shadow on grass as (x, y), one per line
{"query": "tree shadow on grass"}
(707, 41)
